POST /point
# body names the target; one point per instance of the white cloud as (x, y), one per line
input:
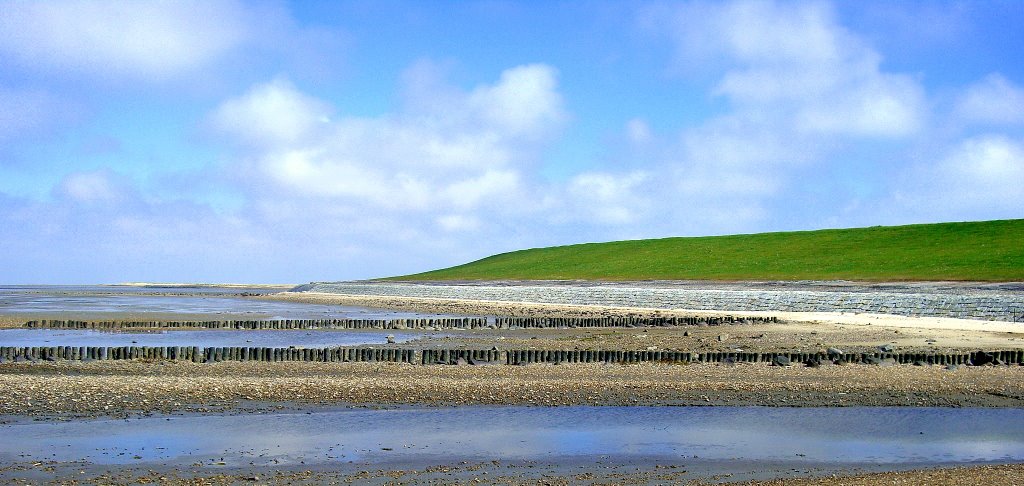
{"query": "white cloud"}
(978, 178)
(458, 222)
(492, 184)
(986, 169)
(147, 40)
(796, 61)
(753, 31)
(272, 114)
(608, 198)
(524, 102)
(798, 88)
(462, 155)
(993, 100)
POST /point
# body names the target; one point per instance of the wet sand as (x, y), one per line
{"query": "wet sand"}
(51, 390)
(497, 472)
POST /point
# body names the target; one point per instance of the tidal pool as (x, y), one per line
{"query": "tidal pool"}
(75, 301)
(205, 338)
(869, 438)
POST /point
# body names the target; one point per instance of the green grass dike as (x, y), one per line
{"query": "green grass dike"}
(969, 251)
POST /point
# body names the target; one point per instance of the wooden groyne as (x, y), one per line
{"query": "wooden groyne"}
(431, 323)
(574, 322)
(480, 356)
(207, 355)
(514, 357)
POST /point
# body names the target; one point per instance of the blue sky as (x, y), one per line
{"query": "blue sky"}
(291, 142)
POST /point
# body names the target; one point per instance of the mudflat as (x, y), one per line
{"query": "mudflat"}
(129, 387)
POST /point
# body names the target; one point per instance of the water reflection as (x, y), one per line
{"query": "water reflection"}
(75, 300)
(805, 435)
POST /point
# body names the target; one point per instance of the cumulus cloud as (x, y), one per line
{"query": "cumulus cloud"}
(451, 159)
(974, 179)
(993, 100)
(798, 88)
(608, 198)
(149, 40)
(983, 172)
(271, 115)
(796, 60)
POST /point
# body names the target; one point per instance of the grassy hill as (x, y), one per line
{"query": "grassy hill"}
(979, 251)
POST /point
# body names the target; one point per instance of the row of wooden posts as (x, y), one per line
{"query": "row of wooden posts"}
(474, 356)
(556, 322)
(431, 323)
(207, 355)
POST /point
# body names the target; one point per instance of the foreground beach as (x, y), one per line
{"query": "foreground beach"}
(51, 392)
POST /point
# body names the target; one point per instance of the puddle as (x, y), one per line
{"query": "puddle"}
(811, 437)
(205, 338)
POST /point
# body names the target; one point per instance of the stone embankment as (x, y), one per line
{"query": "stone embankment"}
(436, 323)
(1001, 302)
(486, 356)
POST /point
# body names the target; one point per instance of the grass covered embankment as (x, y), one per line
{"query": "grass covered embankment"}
(975, 251)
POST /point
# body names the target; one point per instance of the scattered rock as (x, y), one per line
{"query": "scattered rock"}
(780, 360)
(834, 352)
(873, 360)
(391, 338)
(723, 338)
(887, 348)
(919, 363)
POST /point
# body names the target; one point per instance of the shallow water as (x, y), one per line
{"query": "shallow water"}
(204, 338)
(72, 300)
(852, 437)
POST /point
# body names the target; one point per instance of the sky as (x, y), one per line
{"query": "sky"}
(276, 142)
